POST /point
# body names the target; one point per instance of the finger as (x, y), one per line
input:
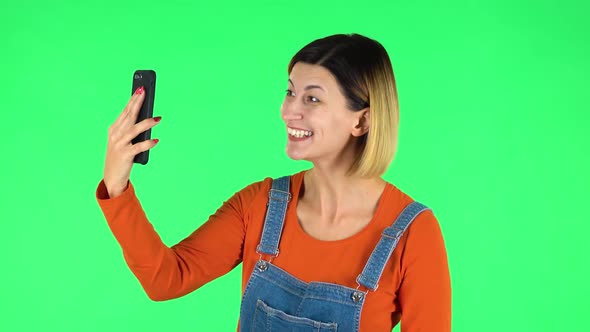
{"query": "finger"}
(133, 111)
(125, 112)
(143, 146)
(140, 128)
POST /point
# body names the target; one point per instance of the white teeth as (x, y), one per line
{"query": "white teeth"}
(299, 133)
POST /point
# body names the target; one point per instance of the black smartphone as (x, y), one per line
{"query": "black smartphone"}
(147, 79)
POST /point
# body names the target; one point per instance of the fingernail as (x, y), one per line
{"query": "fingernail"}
(139, 90)
(158, 118)
(156, 140)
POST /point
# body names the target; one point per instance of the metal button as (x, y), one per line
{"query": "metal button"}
(262, 266)
(357, 297)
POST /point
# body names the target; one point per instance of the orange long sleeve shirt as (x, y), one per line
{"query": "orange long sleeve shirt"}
(414, 287)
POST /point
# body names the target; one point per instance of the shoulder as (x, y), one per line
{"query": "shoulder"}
(423, 239)
(265, 184)
(248, 195)
(257, 192)
(425, 225)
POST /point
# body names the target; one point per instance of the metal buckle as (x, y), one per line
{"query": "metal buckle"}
(358, 287)
(397, 235)
(289, 196)
(356, 296)
(271, 257)
(262, 265)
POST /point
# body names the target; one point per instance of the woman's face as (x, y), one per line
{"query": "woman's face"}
(319, 125)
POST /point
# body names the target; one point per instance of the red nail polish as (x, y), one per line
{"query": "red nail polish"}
(156, 140)
(139, 90)
(158, 118)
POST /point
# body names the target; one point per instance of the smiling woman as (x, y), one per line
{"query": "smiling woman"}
(357, 71)
(332, 248)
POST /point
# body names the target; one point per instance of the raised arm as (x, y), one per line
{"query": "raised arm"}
(165, 273)
(170, 272)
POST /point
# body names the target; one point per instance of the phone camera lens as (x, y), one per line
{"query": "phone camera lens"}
(137, 76)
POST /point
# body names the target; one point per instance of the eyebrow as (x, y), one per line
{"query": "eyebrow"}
(309, 86)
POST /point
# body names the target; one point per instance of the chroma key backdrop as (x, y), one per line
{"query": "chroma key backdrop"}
(494, 137)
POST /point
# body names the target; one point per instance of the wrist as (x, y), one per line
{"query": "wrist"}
(115, 190)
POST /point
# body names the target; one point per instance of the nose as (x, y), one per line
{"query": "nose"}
(290, 111)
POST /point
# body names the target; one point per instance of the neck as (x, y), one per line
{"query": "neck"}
(333, 193)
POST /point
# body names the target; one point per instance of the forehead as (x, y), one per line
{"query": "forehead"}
(304, 74)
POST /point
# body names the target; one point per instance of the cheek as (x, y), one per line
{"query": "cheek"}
(340, 127)
(340, 132)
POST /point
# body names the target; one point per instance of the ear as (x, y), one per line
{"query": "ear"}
(363, 122)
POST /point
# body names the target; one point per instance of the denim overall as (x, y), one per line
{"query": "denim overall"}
(276, 301)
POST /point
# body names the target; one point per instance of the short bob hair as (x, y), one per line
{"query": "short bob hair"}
(365, 75)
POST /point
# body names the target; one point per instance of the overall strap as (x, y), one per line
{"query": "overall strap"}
(371, 274)
(278, 198)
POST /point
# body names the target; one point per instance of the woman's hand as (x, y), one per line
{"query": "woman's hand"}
(120, 150)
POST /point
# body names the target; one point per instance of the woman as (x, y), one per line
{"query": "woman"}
(332, 248)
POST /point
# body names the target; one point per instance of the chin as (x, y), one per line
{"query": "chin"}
(296, 155)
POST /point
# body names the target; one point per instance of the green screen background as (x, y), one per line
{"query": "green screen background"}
(493, 137)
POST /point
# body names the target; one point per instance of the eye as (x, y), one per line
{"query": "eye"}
(313, 99)
(290, 93)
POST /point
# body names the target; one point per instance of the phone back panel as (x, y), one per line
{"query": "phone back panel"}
(147, 79)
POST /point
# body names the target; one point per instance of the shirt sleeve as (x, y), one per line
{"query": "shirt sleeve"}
(425, 290)
(170, 272)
